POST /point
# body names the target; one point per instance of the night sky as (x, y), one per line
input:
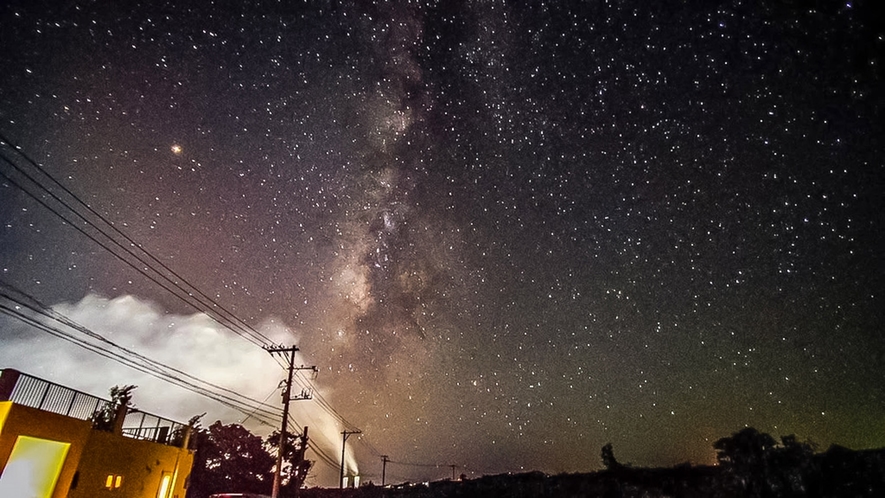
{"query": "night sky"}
(505, 235)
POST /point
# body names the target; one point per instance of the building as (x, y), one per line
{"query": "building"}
(50, 447)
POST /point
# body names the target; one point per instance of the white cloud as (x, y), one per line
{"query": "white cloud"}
(194, 344)
(191, 343)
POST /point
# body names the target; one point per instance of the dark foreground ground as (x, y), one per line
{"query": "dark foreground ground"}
(839, 472)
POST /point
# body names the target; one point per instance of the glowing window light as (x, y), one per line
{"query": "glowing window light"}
(33, 467)
(165, 485)
(113, 481)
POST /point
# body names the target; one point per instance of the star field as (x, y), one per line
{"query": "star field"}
(505, 234)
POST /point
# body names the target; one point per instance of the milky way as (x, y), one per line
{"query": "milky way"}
(506, 235)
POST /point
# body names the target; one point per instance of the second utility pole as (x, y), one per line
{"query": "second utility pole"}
(384, 460)
(345, 433)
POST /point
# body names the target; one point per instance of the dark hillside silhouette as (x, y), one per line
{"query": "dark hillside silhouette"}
(751, 465)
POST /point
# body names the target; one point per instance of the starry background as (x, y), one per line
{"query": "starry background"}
(505, 234)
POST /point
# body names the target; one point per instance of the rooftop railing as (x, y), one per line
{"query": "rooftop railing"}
(24, 389)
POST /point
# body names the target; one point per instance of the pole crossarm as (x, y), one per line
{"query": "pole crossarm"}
(280, 349)
(306, 393)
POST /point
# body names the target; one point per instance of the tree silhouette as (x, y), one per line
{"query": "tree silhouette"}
(229, 458)
(295, 466)
(103, 419)
(759, 467)
(743, 455)
(743, 449)
(792, 468)
(608, 458)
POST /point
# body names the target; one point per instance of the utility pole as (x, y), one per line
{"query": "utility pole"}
(287, 397)
(297, 464)
(346, 433)
(453, 471)
(384, 460)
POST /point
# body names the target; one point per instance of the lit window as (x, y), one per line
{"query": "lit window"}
(165, 485)
(113, 481)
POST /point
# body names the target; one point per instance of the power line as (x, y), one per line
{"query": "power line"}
(143, 271)
(229, 402)
(324, 457)
(365, 442)
(130, 358)
(206, 304)
(322, 454)
(107, 354)
(424, 465)
(263, 403)
(321, 401)
(164, 277)
(239, 327)
(38, 307)
(151, 367)
(203, 302)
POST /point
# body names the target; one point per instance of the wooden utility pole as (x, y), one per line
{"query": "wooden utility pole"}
(384, 460)
(287, 397)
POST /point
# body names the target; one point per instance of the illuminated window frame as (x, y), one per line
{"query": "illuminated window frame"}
(165, 485)
(113, 481)
(33, 467)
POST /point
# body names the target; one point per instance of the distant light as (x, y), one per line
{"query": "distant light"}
(176, 149)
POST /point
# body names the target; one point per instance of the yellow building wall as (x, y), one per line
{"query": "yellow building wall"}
(94, 455)
(141, 464)
(17, 420)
